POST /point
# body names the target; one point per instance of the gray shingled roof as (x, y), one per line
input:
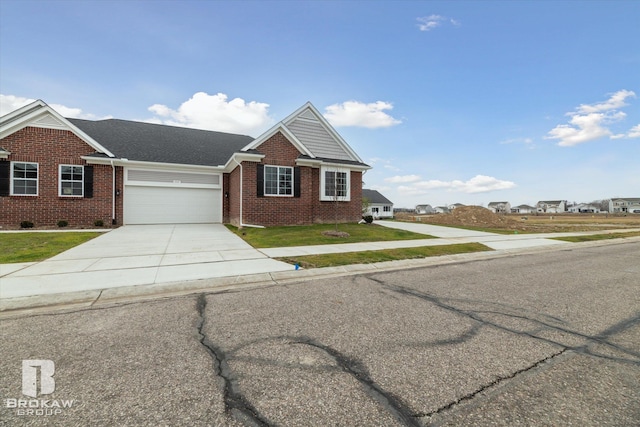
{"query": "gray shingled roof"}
(374, 197)
(149, 142)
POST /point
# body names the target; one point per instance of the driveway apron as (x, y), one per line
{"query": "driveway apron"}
(141, 255)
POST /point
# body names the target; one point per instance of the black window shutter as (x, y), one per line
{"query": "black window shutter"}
(260, 181)
(296, 181)
(88, 182)
(5, 182)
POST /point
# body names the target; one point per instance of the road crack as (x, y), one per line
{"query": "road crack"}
(235, 402)
(358, 371)
(488, 386)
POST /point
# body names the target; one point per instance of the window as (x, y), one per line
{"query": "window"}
(278, 181)
(71, 180)
(24, 179)
(334, 185)
(386, 208)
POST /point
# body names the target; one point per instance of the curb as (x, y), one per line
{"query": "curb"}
(101, 298)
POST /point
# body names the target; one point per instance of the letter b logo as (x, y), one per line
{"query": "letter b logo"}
(30, 377)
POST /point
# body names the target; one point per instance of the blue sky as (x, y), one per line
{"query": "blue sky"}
(457, 101)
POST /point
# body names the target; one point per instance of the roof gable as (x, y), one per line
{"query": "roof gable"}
(312, 135)
(374, 196)
(39, 114)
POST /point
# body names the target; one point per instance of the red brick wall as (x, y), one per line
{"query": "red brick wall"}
(50, 148)
(273, 210)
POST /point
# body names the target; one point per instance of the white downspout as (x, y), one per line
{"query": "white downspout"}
(242, 224)
(113, 194)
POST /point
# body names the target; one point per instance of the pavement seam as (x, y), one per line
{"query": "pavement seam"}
(234, 401)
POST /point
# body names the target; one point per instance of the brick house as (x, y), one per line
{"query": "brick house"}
(52, 168)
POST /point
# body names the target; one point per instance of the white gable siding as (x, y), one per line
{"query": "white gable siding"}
(315, 137)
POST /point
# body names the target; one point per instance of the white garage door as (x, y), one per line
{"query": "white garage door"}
(160, 197)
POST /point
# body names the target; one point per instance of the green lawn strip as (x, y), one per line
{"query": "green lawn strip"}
(367, 257)
(306, 235)
(31, 247)
(594, 237)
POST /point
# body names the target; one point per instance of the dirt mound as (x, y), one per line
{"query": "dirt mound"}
(472, 216)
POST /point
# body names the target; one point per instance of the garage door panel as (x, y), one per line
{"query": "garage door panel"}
(171, 205)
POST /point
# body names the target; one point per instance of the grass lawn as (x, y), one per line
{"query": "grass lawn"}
(333, 260)
(305, 235)
(593, 237)
(30, 247)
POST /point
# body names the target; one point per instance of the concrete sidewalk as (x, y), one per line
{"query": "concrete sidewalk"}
(445, 236)
(162, 259)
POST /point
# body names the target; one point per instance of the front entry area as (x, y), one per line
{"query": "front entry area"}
(172, 197)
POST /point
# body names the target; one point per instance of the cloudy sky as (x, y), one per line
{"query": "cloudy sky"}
(465, 101)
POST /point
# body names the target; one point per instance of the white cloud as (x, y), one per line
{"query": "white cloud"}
(354, 113)
(403, 179)
(615, 102)
(591, 121)
(477, 184)
(634, 132)
(214, 112)
(428, 23)
(9, 103)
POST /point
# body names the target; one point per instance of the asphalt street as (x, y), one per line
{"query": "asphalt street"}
(550, 339)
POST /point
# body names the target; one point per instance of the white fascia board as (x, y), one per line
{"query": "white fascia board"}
(280, 127)
(309, 106)
(316, 163)
(22, 117)
(150, 165)
(241, 157)
(346, 166)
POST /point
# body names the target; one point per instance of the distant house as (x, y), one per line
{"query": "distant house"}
(620, 205)
(583, 208)
(523, 209)
(424, 209)
(499, 207)
(379, 206)
(551, 206)
(455, 205)
(441, 209)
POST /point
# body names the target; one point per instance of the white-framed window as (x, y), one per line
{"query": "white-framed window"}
(386, 208)
(278, 181)
(71, 181)
(335, 184)
(24, 179)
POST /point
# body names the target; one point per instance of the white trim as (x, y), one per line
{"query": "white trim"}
(323, 196)
(11, 179)
(242, 157)
(4, 154)
(150, 165)
(173, 184)
(60, 181)
(286, 132)
(309, 106)
(25, 116)
(264, 178)
(282, 126)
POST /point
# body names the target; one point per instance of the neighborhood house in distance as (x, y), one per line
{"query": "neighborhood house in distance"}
(301, 171)
(616, 205)
(377, 205)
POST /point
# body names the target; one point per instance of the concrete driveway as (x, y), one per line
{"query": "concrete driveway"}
(140, 255)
